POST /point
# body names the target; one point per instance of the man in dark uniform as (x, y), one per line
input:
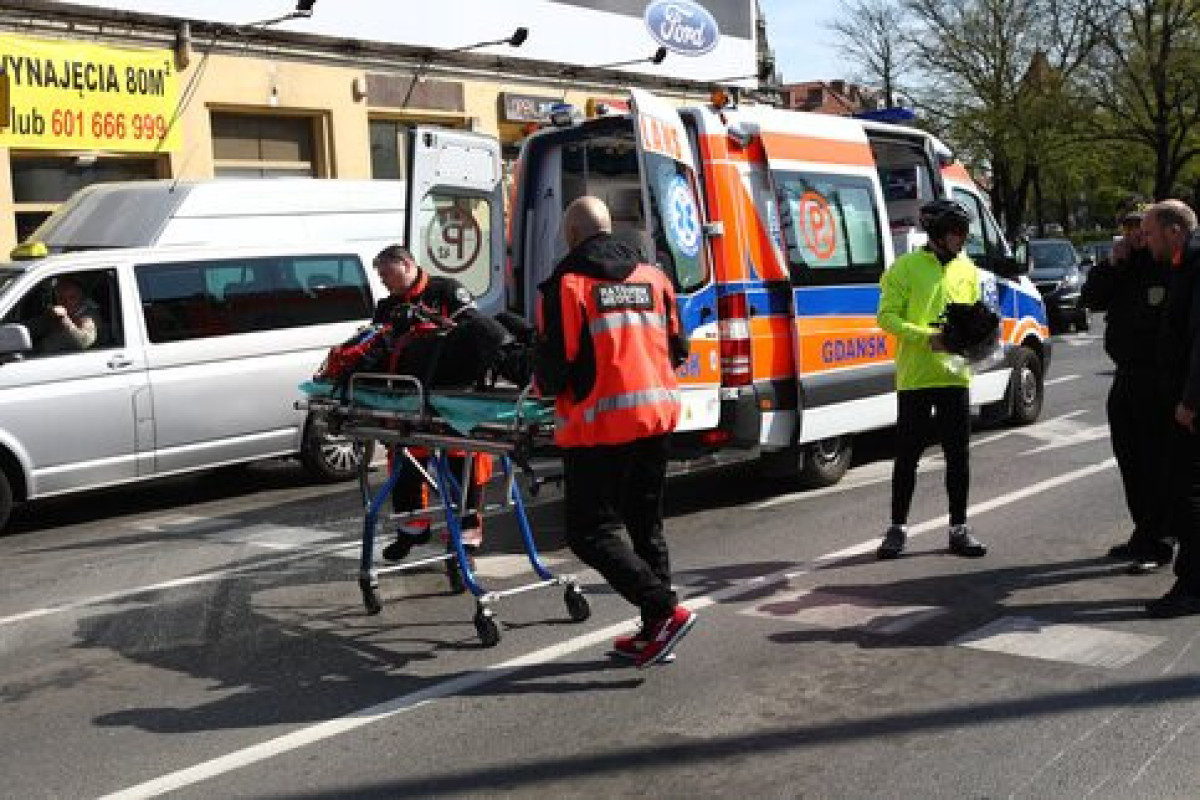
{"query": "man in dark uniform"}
(412, 288)
(1132, 288)
(609, 342)
(1172, 236)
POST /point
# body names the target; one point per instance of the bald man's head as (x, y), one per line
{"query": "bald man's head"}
(584, 218)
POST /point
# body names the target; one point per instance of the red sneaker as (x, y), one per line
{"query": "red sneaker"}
(663, 635)
(631, 647)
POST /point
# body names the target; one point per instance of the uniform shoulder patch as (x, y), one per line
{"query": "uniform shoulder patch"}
(624, 297)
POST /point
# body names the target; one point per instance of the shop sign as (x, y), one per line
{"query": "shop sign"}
(682, 26)
(527, 108)
(78, 96)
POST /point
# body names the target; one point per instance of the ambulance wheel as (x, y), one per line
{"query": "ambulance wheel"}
(330, 458)
(826, 462)
(370, 596)
(577, 604)
(485, 626)
(1026, 390)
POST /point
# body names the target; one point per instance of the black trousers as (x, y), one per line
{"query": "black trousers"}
(946, 410)
(1139, 422)
(610, 486)
(1184, 516)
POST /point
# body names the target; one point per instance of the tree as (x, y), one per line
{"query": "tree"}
(1145, 81)
(999, 84)
(870, 34)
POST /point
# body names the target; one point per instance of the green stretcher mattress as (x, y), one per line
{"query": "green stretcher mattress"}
(461, 411)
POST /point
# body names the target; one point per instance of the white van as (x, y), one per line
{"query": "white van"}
(195, 364)
(216, 299)
(226, 211)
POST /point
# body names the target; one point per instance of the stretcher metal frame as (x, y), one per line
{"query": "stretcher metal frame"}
(511, 442)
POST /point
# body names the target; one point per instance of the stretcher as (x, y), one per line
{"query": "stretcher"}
(398, 412)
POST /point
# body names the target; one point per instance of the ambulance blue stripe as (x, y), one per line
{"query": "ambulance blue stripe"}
(828, 301)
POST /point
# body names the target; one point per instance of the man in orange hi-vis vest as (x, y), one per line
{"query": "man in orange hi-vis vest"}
(609, 341)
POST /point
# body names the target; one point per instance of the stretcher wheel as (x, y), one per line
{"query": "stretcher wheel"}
(577, 604)
(454, 576)
(370, 596)
(486, 627)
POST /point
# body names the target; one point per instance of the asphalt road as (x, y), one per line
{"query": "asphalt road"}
(204, 638)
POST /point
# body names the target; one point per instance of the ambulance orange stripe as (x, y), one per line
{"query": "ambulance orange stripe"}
(826, 151)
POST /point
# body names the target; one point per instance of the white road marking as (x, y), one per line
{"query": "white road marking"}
(1074, 644)
(830, 610)
(304, 737)
(1061, 379)
(881, 471)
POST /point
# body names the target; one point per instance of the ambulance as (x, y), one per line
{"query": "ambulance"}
(775, 227)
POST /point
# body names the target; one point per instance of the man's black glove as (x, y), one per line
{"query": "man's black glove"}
(971, 330)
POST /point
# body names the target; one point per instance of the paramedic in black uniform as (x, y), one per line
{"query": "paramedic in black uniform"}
(409, 285)
(1132, 289)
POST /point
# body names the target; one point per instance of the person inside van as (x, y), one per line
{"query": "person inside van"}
(409, 286)
(69, 324)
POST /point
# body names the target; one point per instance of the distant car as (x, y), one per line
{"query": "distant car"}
(1057, 270)
(1094, 253)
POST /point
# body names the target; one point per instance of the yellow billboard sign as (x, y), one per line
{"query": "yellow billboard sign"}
(80, 96)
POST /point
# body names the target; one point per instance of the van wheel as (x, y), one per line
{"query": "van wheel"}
(826, 462)
(6, 499)
(330, 458)
(1026, 389)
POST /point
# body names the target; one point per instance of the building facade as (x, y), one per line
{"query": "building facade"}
(102, 91)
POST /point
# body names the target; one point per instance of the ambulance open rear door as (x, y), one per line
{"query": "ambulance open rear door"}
(675, 225)
(455, 210)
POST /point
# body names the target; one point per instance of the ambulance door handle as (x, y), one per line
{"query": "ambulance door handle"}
(119, 362)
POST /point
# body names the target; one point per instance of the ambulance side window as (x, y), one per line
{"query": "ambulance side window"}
(830, 227)
(983, 238)
(676, 223)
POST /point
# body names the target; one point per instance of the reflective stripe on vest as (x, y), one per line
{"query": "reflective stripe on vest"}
(620, 319)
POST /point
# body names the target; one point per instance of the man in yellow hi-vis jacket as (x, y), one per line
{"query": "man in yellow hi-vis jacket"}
(931, 384)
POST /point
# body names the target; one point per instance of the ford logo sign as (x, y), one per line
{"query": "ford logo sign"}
(682, 26)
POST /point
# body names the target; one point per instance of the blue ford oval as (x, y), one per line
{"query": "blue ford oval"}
(682, 26)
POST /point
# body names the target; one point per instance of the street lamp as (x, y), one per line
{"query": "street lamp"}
(515, 39)
(656, 58)
(303, 10)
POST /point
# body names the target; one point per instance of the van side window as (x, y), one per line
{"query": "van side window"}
(91, 302)
(830, 227)
(194, 300)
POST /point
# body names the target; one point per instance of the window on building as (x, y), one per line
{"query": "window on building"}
(389, 149)
(256, 146)
(41, 182)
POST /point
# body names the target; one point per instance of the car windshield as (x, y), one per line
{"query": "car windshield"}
(1051, 258)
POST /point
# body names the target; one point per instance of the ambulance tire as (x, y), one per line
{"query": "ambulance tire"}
(826, 462)
(329, 458)
(1022, 403)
